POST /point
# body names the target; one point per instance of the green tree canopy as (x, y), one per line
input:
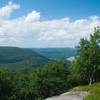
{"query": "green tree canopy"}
(87, 62)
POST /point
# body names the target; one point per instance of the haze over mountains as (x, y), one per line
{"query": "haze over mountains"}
(19, 58)
(56, 53)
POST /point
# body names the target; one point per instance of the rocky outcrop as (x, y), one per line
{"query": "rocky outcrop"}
(78, 95)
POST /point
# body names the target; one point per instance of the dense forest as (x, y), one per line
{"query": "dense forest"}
(55, 77)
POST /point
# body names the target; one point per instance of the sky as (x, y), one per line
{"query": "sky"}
(47, 23)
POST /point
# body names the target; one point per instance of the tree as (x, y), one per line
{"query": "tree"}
(51, 79)
(6, 84)
(87, 62)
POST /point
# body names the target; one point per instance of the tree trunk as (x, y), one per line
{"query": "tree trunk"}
(90, 81)
(92, 76)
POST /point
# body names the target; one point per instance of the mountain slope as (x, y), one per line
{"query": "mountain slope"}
(56, 53)
(16, 58)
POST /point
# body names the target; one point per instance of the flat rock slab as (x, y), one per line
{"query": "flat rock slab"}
(70, 96)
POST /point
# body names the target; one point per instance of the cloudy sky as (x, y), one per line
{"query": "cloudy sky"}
(47, 23)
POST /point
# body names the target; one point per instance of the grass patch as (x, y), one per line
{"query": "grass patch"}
(93, 89)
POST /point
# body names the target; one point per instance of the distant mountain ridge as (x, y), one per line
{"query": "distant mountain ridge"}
(56, 53)
(17, 58)
(20, 58)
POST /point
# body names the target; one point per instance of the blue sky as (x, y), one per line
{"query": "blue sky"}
(52, 23)
(51, 9)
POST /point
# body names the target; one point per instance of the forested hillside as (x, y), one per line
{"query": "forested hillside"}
(19, 58)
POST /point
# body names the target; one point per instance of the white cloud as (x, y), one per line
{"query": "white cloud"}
(6, 11)
(31, 31)
(33, 16)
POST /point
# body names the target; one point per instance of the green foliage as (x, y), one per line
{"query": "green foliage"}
(35, 84)
(86, 67)
(6, 85)
(53, 79)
